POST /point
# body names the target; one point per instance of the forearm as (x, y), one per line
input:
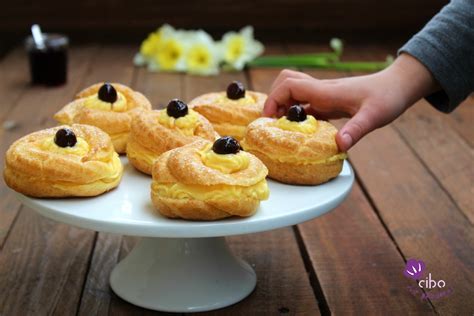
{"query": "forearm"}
(409, 79)
(445, 46)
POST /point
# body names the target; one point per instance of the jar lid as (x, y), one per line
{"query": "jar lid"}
(51, 40)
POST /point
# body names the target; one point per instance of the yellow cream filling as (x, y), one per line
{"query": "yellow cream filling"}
(113, 171)
(118, 136)
(308, 126)
(258, 191)
(247, 100)
(294, 158)
(81, 148)
(93, 102)
(229, 163)
(139, 152)
(113, 167)
(186, 124)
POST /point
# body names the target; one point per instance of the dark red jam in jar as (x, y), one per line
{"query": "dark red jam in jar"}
(48, 65)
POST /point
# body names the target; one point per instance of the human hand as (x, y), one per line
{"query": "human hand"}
(371, 101)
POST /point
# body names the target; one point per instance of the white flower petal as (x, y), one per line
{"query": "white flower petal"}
(139, 60)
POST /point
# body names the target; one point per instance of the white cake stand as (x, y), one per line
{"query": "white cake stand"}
(186, 266)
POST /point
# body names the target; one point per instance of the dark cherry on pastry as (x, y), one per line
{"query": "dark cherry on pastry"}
(107, 93)
(226, 145)
(65, 138)
(177, 108)
(296, 113)
(235, 90)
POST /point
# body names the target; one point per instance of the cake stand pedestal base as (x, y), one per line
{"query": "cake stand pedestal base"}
(182, 275)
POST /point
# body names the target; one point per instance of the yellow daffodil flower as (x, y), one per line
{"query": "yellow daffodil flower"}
(202, 56)
(151, 45)
(240, 48)
(168, 49)
(170, 54)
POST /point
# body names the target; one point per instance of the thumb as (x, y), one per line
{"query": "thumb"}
(357, 127)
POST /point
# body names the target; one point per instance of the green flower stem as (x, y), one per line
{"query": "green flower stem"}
(359, 66)
(294, 60)
(324, 60)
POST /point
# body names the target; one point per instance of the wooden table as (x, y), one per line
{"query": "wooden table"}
(413, 199)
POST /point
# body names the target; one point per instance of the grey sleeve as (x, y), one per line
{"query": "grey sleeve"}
(446, 47)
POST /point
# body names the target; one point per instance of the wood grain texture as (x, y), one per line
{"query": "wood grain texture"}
(41, 261)
(282, 282)
(421, 217)
(350, 249)
(97, 294)
(33, 111)
(13, 80)
(113, 64)
(282, 279)
(42, 267)
(356, 262)
(48, 268)
(261, 80)
(121, 307)
(159, 88)
(374, 161)
(446, 155)
(420, 204)
(441, 141)
(461, 120)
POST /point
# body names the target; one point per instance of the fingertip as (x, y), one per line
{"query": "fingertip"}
(269, 108)
(281, 111)
(344, 141)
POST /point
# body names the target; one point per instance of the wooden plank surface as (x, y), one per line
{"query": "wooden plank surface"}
(421, 217)
(354, 255)
(112, 64)
(443, 152)
(418, 203)
(42, 261)
(418, 133)
(461, 120)
(356, 263)
(350, 249)
(13, 81)
(443, 142)
(34, 111)
(282, 282)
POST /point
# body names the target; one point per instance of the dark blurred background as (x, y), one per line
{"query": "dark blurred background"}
(293, 21)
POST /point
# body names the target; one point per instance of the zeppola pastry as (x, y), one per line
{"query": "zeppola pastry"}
(208, 181)
(154, 132)
(230, 112)
(63, 161)
(110, 107)
(297, 149)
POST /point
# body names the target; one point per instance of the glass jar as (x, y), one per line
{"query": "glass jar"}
(48, 65)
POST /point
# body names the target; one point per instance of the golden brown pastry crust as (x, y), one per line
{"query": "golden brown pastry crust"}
(229, 119)
(183, 165)
(116, 124)
(288, 154)
(149, 136)
(34, 171)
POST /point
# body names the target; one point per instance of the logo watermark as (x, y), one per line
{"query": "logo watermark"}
(434, 289)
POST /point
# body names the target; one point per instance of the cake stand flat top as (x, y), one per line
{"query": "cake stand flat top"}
(128, 210)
